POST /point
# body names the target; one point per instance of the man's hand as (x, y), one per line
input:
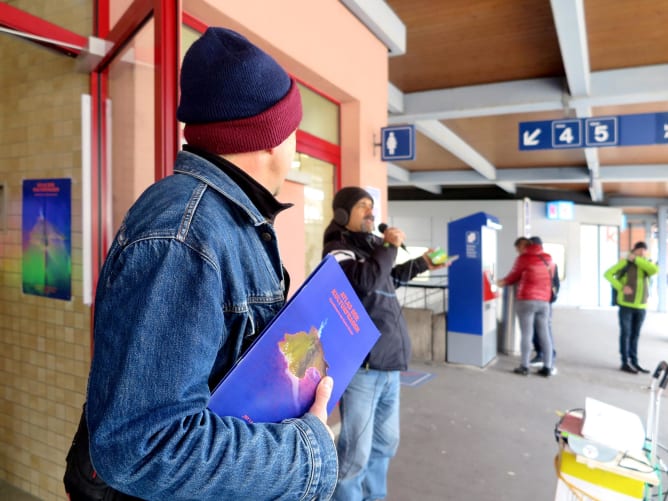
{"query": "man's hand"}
(394, 236)
(319, 407)
(431, 265)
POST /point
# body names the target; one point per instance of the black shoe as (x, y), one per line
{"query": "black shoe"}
(628, 368)
(638, 368)
(524, 371)
(545, 372)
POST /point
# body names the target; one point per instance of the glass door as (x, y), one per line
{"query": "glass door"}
(595, 290)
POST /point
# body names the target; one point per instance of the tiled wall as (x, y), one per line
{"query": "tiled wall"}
(44, 343)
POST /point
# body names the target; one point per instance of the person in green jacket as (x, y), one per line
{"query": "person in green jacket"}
(630, 278)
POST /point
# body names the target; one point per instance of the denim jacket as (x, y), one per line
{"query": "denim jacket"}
(192, 276)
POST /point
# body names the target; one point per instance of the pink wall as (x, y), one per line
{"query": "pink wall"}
(322, 44)
(290, 242)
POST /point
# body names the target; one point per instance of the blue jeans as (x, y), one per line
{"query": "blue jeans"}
(630, 322)
(533, 315)
(369, 435)
(536, 342)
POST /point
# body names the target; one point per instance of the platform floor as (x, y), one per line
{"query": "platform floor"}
(486, 434)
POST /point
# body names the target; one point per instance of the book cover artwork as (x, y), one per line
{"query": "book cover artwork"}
(323, 330)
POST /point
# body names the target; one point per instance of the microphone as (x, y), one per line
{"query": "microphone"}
(382, 227)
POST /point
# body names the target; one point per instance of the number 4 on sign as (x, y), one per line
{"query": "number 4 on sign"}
(566, 133)
(566, 136)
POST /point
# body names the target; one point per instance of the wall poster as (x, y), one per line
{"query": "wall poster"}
(47, 238)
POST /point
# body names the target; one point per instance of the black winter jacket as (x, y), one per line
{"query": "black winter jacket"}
(369, 266)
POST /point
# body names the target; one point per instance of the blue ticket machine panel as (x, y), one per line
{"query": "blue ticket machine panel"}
(472, 295)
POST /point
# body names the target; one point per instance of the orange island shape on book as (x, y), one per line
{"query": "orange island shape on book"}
(277, 377)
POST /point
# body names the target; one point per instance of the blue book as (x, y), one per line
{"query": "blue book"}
(323, 330)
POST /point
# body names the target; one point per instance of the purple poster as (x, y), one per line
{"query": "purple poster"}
(47, 238)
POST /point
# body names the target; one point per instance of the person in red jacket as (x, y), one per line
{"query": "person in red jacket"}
(531, 273)
(537, 361)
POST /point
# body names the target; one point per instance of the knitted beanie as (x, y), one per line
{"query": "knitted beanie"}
(235, 98)
(346, 198)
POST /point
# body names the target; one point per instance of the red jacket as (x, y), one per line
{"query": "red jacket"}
(532, 275)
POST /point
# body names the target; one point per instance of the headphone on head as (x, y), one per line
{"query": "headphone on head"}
(341, 216)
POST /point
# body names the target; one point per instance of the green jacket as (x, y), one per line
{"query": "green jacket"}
(636, 276)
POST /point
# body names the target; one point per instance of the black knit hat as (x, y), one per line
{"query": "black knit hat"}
(345, 199)
(235, 98)
(640, 245)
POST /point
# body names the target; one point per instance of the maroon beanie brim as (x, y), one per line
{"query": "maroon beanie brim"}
(265, 130)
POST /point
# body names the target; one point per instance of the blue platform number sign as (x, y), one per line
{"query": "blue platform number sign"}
(662, 128)
(566, 134)
(601, 131)
(622, 130)
(398, 143)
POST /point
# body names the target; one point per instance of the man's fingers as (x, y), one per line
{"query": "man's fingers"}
(322, 394)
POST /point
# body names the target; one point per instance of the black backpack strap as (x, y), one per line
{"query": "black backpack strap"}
(82, 483)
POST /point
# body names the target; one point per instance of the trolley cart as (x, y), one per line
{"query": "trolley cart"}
(593, 467)
(657, 386)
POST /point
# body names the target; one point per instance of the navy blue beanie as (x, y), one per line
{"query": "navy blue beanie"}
(235, 98)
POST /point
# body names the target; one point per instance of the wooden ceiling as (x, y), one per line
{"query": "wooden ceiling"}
(468, 78)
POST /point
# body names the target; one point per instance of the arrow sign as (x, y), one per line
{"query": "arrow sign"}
(529, 138)
(622, 130)
(534, 135)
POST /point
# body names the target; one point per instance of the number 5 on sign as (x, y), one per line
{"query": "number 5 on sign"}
(601, 131)
(566, 134)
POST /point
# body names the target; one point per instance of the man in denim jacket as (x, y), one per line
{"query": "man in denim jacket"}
(193, 275)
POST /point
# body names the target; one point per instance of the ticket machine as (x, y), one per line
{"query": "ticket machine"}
(472, 293)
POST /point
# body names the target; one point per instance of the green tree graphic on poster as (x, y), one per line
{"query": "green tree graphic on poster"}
(47, 238)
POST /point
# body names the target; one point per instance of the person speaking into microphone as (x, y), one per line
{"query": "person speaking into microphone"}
(393, 236)
(369, 406)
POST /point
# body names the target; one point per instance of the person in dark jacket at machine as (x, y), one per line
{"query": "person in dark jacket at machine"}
(531, 272)
(370, 405)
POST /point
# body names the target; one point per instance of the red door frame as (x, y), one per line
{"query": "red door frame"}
(167, 16)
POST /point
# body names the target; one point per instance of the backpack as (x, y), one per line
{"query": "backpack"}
(82, 483)
(619, 275)
(555, 280)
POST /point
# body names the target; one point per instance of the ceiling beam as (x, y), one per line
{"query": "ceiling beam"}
(444, 137)
(380, 20)
(519, 96)
(634, 173)
(534, 175)
(400, 174)
(637, 201)
(643, 84)
(569, 20)
(395, 99)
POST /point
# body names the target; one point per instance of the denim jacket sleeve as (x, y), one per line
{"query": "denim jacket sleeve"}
(157, 334)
